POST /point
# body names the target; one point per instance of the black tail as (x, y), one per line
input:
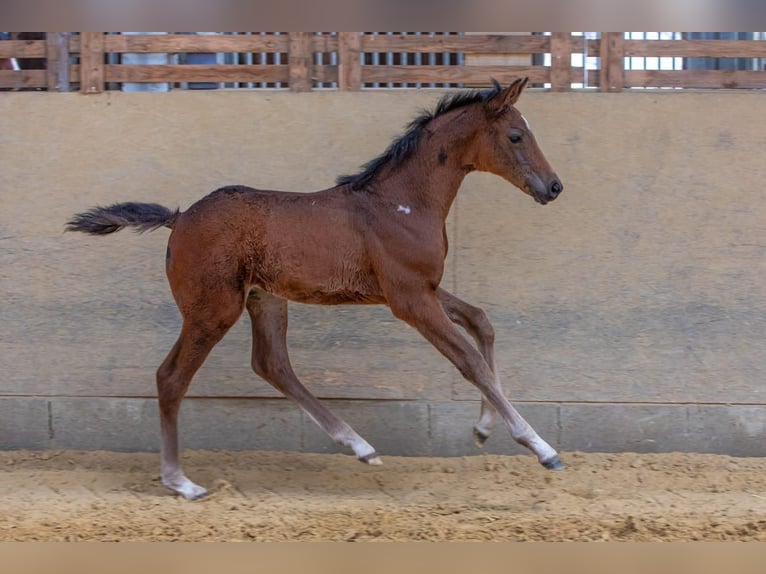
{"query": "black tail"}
(103, 220)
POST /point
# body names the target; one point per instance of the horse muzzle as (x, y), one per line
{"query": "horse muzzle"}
(544, 194)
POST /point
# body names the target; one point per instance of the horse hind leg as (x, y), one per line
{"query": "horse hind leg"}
(200, 332)
(270, 360)
(475, 322)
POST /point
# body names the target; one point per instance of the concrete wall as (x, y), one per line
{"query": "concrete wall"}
(630, 313)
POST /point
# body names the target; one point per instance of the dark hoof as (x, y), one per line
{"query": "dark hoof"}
(479, 438)
(554, 464)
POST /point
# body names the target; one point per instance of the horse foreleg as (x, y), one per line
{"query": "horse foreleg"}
(270, 360)
(474, 320)
(423, 311)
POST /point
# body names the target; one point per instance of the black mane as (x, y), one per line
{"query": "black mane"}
(405, 145)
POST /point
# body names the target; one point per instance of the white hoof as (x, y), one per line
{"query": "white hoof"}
(186, 488)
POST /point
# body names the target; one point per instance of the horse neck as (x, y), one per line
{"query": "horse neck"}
(431, 178)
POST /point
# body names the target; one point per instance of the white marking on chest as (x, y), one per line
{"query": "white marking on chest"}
(404, 209)
(526, 123)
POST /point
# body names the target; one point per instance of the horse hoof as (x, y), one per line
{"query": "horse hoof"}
(554, 464)
(196, 495)
(479, 438)
(371, 458)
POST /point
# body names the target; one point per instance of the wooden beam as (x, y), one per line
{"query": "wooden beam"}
(349, 61)
(612, 56)
(696, 48)
(195, 73)
(301, 61)
(699, 79)
(22, 49)
(91, 62)
(561, 61)
(478, 75)
(57, 44)
(475, 43)
(22, 79)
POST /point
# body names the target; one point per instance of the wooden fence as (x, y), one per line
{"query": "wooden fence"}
(89, 61)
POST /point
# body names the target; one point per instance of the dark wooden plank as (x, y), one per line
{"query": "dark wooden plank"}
(92, 62)
(696, 48)
(349, 62)
(701, 79)
(301, 61)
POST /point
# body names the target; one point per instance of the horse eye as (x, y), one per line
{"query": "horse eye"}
(515, 138)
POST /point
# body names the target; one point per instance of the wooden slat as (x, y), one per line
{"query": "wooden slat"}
(696, 48)
(466, 44)
(300, 61)
(92, 62)
(612, 62)
(349, 63)
(22, 79)
(269, 73)
(702, 79)
(58, 61)
(453, 74)
(22, 49)
(196, 73)
(561, 61)
(182, 43)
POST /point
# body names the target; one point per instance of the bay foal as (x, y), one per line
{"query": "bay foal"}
(377, 237)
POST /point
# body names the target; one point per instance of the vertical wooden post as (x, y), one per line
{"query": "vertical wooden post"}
(57, 56)
(349, 61)
(561, 62)
(301, 61)
(91, 62)
(612, 55)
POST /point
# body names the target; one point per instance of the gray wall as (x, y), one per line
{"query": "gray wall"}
(630, 314)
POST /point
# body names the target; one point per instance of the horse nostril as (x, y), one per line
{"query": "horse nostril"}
(555, 189)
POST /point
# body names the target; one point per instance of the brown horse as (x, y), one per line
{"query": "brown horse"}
(377, 237)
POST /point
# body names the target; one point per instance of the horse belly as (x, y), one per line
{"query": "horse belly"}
(321, 279)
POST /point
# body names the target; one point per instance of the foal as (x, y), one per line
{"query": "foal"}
(377, 237)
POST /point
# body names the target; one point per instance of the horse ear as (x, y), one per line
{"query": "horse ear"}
(506, 97)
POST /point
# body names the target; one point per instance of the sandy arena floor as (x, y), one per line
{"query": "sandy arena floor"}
(72, 495)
